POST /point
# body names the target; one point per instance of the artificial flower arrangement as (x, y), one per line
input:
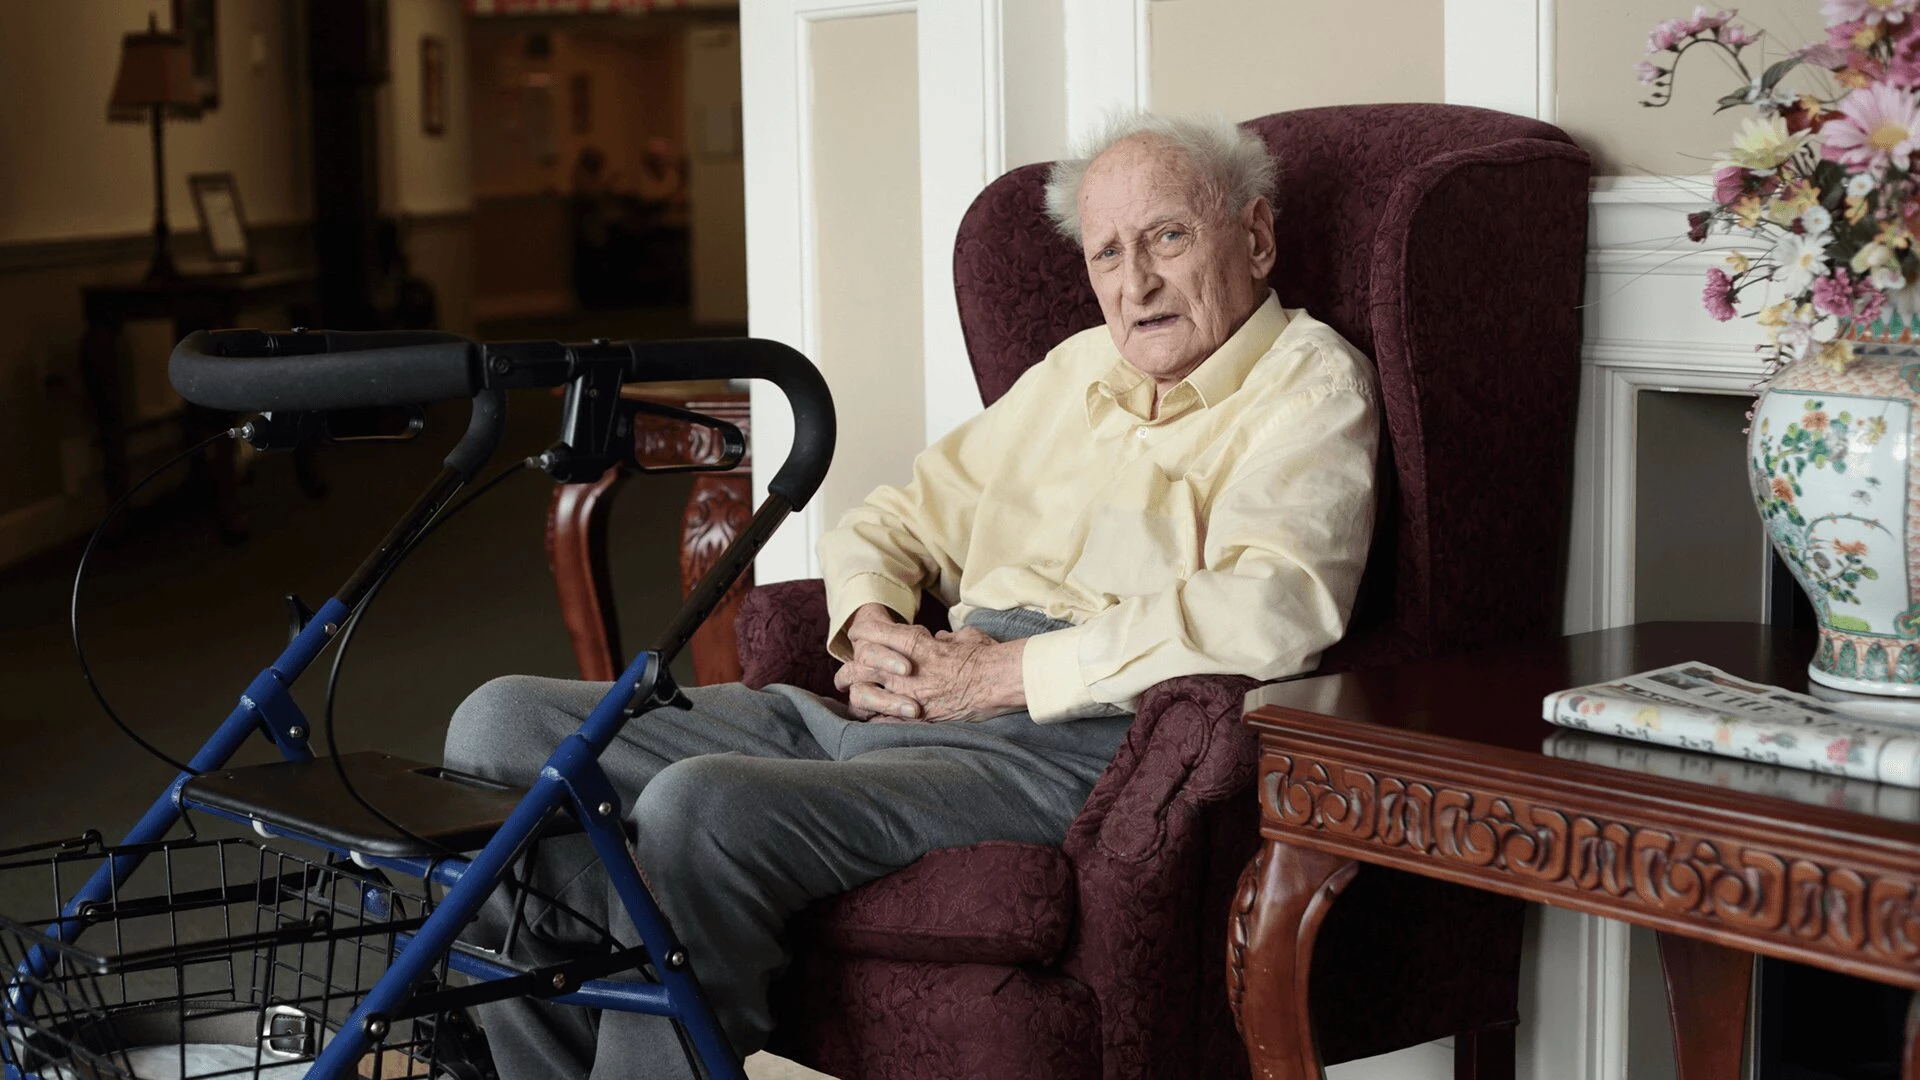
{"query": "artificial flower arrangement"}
(1826, 183)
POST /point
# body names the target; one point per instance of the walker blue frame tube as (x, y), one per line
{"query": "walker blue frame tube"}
(305, 378)
(266, 696)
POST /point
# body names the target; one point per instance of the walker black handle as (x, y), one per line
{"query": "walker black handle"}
(756, 358)
(328, 369)
(315, 370)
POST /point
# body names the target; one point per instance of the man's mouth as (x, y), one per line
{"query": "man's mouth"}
(1155, 322)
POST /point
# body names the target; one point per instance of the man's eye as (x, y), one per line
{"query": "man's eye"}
(1170, 235)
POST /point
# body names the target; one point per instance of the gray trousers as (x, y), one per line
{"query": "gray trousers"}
(748, 807)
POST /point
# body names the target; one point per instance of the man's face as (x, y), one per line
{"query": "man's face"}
(1175, 275)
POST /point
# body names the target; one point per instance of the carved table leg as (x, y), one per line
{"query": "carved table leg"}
(577, 552)
(1284, 895)
(717, 512)
(1707, 991)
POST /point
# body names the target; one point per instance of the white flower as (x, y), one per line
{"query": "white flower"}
(1906, 300)
(1887, 278)
(1800, 259)
(1870, 255)
(1816, 220)
(1859, 184)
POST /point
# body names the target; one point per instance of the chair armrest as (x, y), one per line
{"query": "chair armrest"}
(782, 632)
(1186, 746)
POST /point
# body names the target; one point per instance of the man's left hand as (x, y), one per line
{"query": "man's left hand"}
(960, 676)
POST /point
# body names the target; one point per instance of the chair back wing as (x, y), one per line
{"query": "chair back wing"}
(1444, 241)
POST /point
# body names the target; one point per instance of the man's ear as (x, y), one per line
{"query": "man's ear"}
(1258, 220)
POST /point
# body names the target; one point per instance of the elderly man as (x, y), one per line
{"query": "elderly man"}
(1186, 490)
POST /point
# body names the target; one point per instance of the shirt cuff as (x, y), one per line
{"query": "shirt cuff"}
(1050, 675)
(855, 593)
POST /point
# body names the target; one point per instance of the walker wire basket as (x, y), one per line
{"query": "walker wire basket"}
(216, 958)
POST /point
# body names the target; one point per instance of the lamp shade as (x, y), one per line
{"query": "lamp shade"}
(155, 69)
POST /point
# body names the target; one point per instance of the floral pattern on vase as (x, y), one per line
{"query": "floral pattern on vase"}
(1830, 454)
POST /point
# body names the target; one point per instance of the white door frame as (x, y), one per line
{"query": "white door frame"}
(962, 107)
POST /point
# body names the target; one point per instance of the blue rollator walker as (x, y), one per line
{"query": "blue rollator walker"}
(340, 972)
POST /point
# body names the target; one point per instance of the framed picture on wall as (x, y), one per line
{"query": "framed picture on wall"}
(433, 85)
(198, 22)
(216, 199)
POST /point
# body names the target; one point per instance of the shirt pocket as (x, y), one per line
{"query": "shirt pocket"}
(1142, 535)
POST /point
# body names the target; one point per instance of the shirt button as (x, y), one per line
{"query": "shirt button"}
(1139, 433)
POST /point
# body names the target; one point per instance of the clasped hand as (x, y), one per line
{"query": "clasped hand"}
(901, 672)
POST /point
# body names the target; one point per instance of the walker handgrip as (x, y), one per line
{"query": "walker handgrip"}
(756, 358)
(256, 371)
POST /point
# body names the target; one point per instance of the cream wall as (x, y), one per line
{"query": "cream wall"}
(431, 173)
(1247, 58)
(866, 184)
(1600, 42)
(82, 176)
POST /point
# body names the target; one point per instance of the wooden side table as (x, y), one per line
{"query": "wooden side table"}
(717, 510)
(1437, 768)
(192, 302)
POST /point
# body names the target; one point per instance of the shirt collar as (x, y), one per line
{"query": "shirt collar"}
(1219, 375)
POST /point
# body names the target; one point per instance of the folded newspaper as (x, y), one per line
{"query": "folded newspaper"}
(1696, 706)
(1889, 801)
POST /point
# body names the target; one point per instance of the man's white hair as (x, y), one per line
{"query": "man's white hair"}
(1232, 165)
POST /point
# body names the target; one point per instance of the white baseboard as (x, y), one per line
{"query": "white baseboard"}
(1428, 1061)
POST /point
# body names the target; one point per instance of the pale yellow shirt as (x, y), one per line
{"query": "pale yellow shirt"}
(1226, 535)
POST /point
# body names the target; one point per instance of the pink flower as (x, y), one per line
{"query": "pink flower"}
(1877, 126)
(1833, 295)
(1735, 34)
(1871, 12)
(1869, 302)
(1718, 295)
(1665, 35)
(1837, 750)
(1649, 73)
(1729, 184)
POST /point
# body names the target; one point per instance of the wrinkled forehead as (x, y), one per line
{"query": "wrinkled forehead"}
(1137, 184)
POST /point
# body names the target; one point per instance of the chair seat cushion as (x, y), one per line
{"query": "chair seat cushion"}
(993, 903)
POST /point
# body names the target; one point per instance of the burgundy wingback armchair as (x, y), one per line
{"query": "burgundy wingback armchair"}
(1448, 244)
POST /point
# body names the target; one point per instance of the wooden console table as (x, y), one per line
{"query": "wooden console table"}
(191, 302)
(717, 510)
(1437, 768)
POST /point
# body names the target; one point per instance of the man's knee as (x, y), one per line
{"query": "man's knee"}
(504, 730)
(699, 803)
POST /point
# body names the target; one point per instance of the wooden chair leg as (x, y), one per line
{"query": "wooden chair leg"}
(1284, 896)
(577, 551)
(1707, 990)
(1487, 1054)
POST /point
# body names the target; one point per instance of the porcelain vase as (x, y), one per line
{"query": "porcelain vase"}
(1831, 458)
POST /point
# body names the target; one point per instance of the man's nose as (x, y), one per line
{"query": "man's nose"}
(1142, 279)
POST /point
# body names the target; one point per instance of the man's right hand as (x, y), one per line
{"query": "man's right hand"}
(860, 678)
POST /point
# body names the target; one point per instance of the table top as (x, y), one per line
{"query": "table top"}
(1485, 705)
(1444, 768)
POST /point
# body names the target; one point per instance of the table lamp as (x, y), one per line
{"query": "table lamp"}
(155, 82)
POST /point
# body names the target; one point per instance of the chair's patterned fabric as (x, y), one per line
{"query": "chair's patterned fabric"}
(999, 902)
(856, 1016)
(1448, 243)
